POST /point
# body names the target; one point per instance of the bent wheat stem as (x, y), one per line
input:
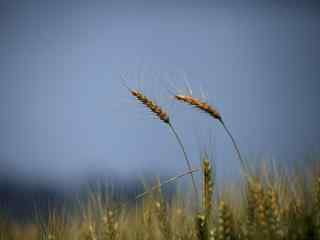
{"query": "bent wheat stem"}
(234, 143)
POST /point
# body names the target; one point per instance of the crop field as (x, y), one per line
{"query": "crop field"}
(269, 202)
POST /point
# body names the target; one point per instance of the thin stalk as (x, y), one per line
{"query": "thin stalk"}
(186, 158)
(165, 182)
(234, 144)
(158, 186)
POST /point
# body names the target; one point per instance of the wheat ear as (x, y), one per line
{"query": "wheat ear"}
(273, 213)
(164, 116)
(111, 226)
(157, 110)
(202, 227)
(317, 195)
(226, 224)
(317, 206)
(207, 191)
(203, 106)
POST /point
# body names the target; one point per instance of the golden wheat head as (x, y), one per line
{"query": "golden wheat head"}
(157, 110)
(199, 104)
(205, 107)
(207, 188)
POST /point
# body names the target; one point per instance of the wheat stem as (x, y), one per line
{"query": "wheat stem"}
(159, 185)
(186, 158)
(234, 144)
(204, 106)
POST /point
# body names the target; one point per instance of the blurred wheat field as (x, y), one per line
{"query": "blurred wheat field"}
(271, 204)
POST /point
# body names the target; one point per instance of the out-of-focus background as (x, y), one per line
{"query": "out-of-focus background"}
(66, 117)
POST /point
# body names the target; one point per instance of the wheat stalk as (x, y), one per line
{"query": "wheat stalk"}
(164, 116)
(204, 106)
(159, 185)
(161, 211)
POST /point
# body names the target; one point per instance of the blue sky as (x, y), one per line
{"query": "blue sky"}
(64, 113)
